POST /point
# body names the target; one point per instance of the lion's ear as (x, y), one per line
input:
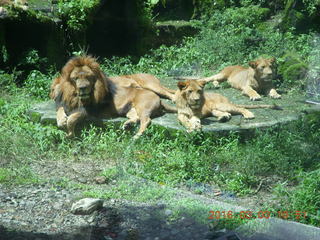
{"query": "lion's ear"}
(202, 83)
(253, 64)
(182, 85)
(272, 60)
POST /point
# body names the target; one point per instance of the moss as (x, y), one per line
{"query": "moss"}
(289, 59)
(294, 74)
(293, 70)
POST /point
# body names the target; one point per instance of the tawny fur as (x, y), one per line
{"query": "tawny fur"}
(194, 104)
(146, 81)
(252, 81)
(109, 97)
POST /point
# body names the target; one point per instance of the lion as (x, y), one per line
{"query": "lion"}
(145, 81)
(193, 104)
(83, 90)
(255, 79)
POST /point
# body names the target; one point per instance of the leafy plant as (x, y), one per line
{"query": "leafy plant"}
(38, 84)
(76, 12)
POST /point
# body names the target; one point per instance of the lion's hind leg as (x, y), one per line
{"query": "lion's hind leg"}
(146, 104)
(133, 118)
(215, 79)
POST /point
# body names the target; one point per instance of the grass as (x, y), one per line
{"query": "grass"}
(235, 162)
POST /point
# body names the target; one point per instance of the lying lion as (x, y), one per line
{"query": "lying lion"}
(83, 90)
(194, 104)
(255, 79)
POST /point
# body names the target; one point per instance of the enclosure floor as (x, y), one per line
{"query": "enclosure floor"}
(293, 104)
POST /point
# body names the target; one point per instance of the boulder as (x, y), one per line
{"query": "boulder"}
(86, 206)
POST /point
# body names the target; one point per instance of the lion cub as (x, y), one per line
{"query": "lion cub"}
(255, 79)
(194, 104)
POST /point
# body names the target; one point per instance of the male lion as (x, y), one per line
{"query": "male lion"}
(193, 104)
(256, 78)
(83, 90)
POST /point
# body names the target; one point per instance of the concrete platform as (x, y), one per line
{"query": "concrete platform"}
(294, 106)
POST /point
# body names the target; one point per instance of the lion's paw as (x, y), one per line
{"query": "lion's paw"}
(255, 98)
(225, 117)
(196, 123)
(276, 96)
(216, 84)
(62, 123)
(248, 115)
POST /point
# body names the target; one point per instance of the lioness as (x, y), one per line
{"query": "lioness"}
(82, 90)
(194, 104)
(256, 78)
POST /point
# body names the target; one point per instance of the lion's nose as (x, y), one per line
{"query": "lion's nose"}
(83, 88)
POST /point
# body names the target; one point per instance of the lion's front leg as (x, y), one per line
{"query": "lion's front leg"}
(72, 121)
(221, 115)
(251, 93)
(273, 93)
(61, 118)
(193, 123)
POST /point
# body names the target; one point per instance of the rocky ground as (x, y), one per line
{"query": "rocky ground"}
(43, 212)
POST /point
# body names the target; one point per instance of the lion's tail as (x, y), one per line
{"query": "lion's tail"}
(168, 108)
(274, 106)
(207, 79)
(187, 78)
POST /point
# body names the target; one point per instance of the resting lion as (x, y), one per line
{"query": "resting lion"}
(83, 90)
(194, 104)
(255, 79)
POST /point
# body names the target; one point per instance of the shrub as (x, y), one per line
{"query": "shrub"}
(38, 84)
(76, 12)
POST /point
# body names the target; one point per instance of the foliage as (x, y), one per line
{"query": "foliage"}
(233, 36)
(76, 12)
(234, 162)
(32, 58)
(38, 84)
(304, 197)
(311, 6)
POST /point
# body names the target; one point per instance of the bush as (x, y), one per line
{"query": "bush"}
(76, 12)
(295, 75)
(38, 84)
(293, 71)
(233, 36)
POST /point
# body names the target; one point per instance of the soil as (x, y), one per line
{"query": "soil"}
(42, 211)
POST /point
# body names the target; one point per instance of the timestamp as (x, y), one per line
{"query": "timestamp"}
(263, 214)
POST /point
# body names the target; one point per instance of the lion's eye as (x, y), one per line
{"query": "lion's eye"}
(91, 78)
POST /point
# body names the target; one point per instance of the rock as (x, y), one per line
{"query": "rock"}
(86, 206)
(100, 180)
(168, 212)
(82, 180)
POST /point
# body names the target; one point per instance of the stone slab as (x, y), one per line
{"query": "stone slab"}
(294, 106)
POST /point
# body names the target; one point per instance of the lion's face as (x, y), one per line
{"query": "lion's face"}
(83, 78)
(263, 68)
(192, 92)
